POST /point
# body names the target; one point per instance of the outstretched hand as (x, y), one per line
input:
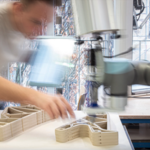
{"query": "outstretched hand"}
(55, 105)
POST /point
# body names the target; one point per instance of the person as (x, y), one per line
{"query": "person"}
(20, 21)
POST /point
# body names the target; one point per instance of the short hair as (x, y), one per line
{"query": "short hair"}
(28, 2)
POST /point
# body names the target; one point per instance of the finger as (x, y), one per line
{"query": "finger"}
(55, 110)
(50, 113)
(68, 107)
(62, 108)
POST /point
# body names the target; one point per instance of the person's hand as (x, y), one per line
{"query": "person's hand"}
(55, 105)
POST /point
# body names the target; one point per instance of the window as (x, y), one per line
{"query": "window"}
(141, 42)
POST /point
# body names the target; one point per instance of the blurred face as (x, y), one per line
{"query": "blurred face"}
(31, 20)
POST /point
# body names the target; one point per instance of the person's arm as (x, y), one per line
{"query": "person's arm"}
(55, 106)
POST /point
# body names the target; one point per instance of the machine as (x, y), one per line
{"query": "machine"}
(115, 75)
(92, 19)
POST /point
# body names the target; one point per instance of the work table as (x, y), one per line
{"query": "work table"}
(42, 137)
(136, 109)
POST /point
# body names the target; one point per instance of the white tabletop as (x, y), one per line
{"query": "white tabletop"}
(42, 137)
(136, 109)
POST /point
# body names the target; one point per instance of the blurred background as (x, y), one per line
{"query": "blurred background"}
(141, 40)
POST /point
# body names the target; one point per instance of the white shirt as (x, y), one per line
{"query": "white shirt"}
(12, 42)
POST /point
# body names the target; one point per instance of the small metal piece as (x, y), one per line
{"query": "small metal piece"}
(79, 42)
(58, 3)
(58, 20)
(59, 90)
(115, 36)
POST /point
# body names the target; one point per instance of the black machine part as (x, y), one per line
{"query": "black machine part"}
(138, 4)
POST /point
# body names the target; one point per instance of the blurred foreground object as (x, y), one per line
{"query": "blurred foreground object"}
(15, 120)
(51, 61)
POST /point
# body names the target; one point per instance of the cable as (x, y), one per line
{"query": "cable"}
(130, 49)
(141, 11)
(139, 18)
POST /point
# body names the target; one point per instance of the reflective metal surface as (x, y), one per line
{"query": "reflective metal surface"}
(93, 16)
